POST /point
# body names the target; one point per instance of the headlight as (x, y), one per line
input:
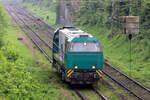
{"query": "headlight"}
(93, 67)
(75, 67)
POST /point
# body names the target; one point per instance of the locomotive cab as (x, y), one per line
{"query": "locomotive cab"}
(77, 56)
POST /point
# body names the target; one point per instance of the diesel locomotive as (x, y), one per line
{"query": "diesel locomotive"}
(77, 56)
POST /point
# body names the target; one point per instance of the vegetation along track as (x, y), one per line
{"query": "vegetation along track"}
(36, 39)
(129, 84)
(134, 87)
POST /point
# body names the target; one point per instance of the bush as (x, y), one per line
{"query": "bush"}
(15, 80)
(3, 25)
(10, 52)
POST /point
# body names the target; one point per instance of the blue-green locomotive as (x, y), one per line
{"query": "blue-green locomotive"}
(77, 56)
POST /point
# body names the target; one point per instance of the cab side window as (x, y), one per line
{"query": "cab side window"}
(66, 45)
(56, 43)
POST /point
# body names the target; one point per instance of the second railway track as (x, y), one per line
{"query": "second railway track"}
(134, 87)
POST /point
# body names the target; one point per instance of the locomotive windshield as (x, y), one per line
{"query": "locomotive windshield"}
(85, 47)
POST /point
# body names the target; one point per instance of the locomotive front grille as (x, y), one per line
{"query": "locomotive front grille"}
(84, 76)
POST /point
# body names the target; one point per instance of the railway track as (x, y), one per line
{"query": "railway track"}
(79, 94)
(92, 89)
(101, 96)
(134, 87)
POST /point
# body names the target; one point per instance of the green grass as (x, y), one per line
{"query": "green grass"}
(108, 93)
(42, 12)
(117, 52)
(11, 37)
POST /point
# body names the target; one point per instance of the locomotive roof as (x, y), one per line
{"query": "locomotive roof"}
(72, 33)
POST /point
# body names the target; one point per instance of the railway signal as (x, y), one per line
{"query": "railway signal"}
(130, 27)
(130, 24)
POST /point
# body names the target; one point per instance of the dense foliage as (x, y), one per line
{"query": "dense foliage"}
(43, 3)
(93, 13)
(20, 80)
(46, 9)
(3, 25)
(15, 80)
(99, 13)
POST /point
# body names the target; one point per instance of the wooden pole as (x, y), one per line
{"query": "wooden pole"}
(112, 18)
(119, 12)
(130, 9)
